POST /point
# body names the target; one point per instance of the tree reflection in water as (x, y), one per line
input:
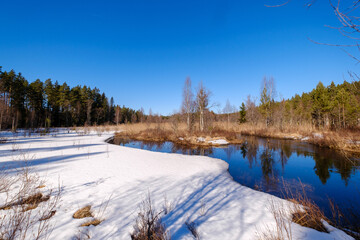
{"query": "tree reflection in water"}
(268, 170)
(260, 163)
(326, 160)
(252, 145)
(269, 152)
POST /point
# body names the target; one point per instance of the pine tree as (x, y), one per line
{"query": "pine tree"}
(242, 118)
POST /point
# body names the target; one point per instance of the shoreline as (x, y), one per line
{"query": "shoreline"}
(201, 187)
(318, 139)
(324, 140)
(191, 141)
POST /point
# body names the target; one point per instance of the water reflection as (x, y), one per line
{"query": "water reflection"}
(163, 147)
(326, 160)
(271, 153)
(263, 163)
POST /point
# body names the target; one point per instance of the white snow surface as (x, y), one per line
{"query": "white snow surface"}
(199, 188)
(200, 139)
(305, 139)
(219, 142)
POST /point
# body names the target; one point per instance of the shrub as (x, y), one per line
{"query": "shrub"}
(148, 225)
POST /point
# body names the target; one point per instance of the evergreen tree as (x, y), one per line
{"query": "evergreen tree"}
(36, 102)
(242, 118)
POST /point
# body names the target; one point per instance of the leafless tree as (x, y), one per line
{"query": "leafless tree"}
(251, 111)
(202, 103)
(150, 117)
(174, 122)
(228, 109)
(117, 115)
(142, 117)
(133, 118)
(188, 102)
(267, 97)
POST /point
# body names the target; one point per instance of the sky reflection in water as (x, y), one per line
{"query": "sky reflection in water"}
(264, 164)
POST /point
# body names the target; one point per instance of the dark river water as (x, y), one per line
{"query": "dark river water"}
(266, 164)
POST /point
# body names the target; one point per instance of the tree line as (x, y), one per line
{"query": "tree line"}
(325, 107)
(49, 104)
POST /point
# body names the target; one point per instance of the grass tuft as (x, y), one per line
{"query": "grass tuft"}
(93, 222)
(83, 212)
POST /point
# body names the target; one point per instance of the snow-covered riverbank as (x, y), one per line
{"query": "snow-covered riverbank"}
(199, 189)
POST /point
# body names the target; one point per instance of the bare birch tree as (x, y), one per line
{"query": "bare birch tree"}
(228, 109)
(251, 111)
(150, 116)
(188, 102)
(142, 112)
(117, 115)
(267, 96)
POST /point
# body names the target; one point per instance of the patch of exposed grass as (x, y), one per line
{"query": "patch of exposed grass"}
(310, 218)
(48, 216)
(181, 136)
(31, 202)
(93, 222)
(83, 212)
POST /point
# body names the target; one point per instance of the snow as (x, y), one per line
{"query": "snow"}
(219, 142)
(199, 188)
(200, 139)
(318, 135)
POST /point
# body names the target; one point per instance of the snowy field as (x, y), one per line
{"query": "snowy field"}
(93, 172)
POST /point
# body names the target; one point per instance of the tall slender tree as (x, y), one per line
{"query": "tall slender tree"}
(188, 102)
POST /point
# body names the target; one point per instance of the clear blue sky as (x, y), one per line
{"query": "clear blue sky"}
(141, 51)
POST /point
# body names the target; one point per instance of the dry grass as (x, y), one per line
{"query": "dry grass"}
(180, 135)
(348, 217)
(304, 212)
(35, 199)
(299, 209)
(31, 207)
(96, 218)
(48, 216)
(93, 222)
(282, 230)
(83, 212)
(28, 203)
(148, 224)
(26, 212)
(346, 140)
